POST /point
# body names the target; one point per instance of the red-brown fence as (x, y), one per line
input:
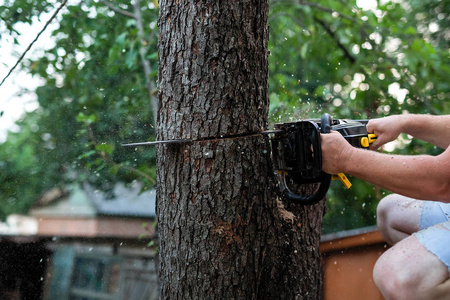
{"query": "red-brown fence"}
(348, 260)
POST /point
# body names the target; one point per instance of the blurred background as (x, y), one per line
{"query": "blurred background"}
(88, 85)
(89, 82)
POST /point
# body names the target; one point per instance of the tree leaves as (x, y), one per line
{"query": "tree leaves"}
(325, 56)
(331, 56)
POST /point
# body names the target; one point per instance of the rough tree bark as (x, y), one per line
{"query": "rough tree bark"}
(223, 232)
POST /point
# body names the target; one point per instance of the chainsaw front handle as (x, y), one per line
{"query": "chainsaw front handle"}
(290, 196)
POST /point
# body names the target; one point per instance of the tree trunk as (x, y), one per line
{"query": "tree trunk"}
(223, 232)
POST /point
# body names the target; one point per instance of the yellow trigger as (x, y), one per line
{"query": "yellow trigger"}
(344, 180)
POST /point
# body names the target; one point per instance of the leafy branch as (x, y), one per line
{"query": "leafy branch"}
(137, 16)
(105, 150)
(118, 10)
(347, 53)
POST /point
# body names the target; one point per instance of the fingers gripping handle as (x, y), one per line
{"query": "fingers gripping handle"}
(325, 127)
(326, 123)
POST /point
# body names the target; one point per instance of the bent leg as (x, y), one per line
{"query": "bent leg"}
(409, 270)
(398, 217)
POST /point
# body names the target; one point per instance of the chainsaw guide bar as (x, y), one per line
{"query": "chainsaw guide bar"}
(202, 139)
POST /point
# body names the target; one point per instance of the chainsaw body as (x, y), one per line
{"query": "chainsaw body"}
(298, 155)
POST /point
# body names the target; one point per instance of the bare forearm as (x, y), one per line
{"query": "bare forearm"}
(422, 177)
(432, 129)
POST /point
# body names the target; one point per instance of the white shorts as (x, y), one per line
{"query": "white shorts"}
(435, 239)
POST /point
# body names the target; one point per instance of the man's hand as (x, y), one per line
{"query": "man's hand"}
(336, 152)
(386, 129)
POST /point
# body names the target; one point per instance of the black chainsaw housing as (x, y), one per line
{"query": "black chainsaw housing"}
(297, 154)
(352, 130)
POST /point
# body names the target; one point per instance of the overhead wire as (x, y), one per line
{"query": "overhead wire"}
(34, 41)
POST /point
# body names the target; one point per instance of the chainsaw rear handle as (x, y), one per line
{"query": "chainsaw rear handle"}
(325, 127)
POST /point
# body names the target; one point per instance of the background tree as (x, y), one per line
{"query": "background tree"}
(95, 97)
(331, 56)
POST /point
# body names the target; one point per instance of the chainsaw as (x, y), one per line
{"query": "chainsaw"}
(297, 154)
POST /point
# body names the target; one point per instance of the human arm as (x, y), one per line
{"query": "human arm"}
(421, 176)
(432, 129)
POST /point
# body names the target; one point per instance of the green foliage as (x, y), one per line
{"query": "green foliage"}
(13, 12)
(24, 170)
(325, 56)
(330, 56)
(94, 98)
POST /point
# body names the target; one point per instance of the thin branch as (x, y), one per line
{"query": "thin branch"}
(128, 168)
(118, 10)
(145, 62)
(326, 9)
(151, 86)
(336, 39)
(34, 41)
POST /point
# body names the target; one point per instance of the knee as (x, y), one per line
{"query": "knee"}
(387, 204)
(398, 217)
(385, 209)
(392, 282)
(383, 279)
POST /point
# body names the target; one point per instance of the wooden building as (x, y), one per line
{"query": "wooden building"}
(84, 245)
(348, 259)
